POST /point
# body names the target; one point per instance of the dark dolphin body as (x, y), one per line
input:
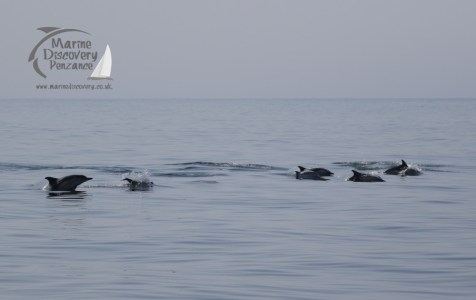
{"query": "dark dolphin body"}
(320, 171)
(361, 177)
(138, 185)
(397, 169)
(308, 174)
(411, 172)
(67, 183)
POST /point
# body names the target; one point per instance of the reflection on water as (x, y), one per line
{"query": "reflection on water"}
(67, 214)
(75, 195)
(68, 223)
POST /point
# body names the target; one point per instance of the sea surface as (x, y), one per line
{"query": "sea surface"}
(226, 218)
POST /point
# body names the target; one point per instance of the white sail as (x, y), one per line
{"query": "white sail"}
(103, 68)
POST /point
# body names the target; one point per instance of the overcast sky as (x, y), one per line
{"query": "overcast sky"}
(256, 48)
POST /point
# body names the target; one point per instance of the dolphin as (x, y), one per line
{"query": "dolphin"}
(308, 174)
(361, 177)
(320, 171)
(138, 185)
(411, 172)
(67, 183)
(397, 169)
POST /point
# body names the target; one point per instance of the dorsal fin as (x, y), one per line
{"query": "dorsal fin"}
(301, 168)
(404, 164)
(356, 173)
(128, 180)
(48, 29)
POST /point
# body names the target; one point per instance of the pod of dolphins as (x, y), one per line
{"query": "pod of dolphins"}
(71, 182)
(319, 173)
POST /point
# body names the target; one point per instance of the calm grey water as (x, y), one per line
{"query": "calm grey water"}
(226, 219)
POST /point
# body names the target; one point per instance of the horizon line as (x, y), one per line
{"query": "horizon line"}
(242, 98)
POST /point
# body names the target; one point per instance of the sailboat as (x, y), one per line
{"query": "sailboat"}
(103, 68)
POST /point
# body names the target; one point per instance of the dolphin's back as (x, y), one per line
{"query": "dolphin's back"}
(411, 172)
(361, 177)
(319, 171)
(308, 174)
(67, 183)
(397, 169)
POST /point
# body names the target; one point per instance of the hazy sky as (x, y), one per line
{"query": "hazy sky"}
(256, 48)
